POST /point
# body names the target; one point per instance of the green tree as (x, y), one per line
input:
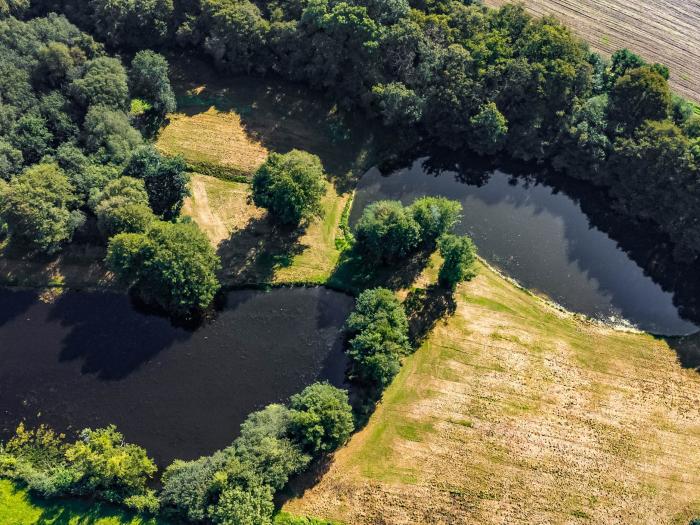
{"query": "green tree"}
(459, 263)
(32, 138)
(58, 63)
(290, 186)
(172, 265)
(39, 208)
(378, 330)
(640, 94)
(321, 418)
(11, 160)
(489, 129)
(435, 216)
(250, 505)
(109, 136)
(122, 207)
(398, 105)
(148, 80)
(104, 83)
(387, 232)
(264, 448)
(166, 180)
(108, 466)
(132, 23)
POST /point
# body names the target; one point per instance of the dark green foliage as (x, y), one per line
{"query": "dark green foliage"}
(122, 207)
(32, 138)
(148, 80)
(585, 143)
(250, 505)
(459, 254)
(489, 129)
(640, 94)
(387, 232)
(38, 207)
(290, 186)
(166, 180)
(132, 23)
(108, 135)
(11, 160)
(398, 104)
(103, 84)
(172, 265)
(378, 330)
(435, 216)
(320, 418)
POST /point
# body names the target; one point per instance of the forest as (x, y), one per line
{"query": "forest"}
(84, 89)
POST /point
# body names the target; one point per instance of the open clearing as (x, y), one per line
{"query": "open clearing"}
(664, 31)
(255, 251)
(227, 125)
(515, 412)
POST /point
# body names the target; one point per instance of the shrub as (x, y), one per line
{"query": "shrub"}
(459, 256)
(321, 418)
(290, 186)
(387, 232)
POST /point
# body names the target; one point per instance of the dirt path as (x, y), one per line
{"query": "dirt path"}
(666, 31)
(197, 206)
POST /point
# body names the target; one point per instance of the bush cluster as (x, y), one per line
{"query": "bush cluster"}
(236, 485)
(99, 464)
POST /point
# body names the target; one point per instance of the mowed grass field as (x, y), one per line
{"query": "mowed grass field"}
(515, 412)
(665, 31)
(253, 250)
(17, 507)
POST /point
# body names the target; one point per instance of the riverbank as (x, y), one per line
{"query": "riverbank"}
(514, 410)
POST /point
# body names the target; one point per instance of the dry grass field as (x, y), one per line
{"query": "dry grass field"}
(515, 412)
(254, 251)
(666, 31)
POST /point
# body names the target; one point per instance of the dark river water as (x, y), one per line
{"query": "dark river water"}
(91, 359)
(539, 235)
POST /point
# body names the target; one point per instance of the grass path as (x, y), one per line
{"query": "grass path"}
(515, 412)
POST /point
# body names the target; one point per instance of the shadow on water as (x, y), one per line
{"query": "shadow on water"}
(113, 338)
(14, 303)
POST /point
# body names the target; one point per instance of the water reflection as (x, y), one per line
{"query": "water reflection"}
(534, 228)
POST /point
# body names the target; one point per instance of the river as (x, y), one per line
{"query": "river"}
(539, 234)
(92, 359)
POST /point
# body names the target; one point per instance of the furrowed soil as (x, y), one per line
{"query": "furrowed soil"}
(664, 31)
(513, 411)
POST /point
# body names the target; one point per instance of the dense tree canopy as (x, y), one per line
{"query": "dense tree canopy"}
(459, 260)
(387, 232)
(172, 265)
(290, 186)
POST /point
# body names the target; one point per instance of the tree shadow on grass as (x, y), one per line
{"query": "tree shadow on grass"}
(253, 254)
(282, 116)
(354, 274)
(425, 307)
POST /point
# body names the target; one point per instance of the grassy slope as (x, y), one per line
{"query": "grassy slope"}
(18, 508)
(663, 31)
(514, 412)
